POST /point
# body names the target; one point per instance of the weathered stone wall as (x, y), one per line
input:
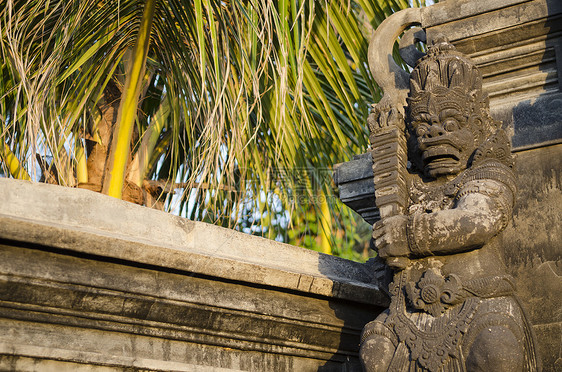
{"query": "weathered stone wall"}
(88, 282)
(517, 45)
(533, 247)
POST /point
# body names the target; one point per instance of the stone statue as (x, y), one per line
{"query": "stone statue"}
(445, 189)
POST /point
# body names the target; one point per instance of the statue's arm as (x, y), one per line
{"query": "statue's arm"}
(481, 212)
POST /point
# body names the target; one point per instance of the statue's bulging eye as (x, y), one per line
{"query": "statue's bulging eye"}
(450, 125)
(421, 129)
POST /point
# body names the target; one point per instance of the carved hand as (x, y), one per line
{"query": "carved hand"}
(477, 217)
(391, 238)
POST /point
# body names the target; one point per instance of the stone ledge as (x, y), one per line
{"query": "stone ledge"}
(88, 282)
(52, 301)
(86, 222)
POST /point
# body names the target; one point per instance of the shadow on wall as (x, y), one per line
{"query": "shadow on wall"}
(538, 122)
(533, 240)
(346, 357)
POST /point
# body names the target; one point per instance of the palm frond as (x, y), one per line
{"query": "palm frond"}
(243, 106)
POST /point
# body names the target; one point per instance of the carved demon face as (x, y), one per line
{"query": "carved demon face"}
(443, 131)
(448, 112)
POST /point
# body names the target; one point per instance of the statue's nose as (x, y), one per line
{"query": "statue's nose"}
(435, 130)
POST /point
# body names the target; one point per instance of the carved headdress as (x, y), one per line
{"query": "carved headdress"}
(446, 79)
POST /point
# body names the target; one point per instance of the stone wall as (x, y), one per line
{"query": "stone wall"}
(517, 44)
(533, 247)
(88, 282)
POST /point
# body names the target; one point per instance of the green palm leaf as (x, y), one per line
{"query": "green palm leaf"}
(236, 116)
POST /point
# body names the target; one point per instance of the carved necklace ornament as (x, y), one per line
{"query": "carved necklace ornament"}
(433, 293)
(434, 346)
(444, 185)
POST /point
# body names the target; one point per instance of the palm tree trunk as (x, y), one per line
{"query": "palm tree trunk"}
(98, 149)
(121, 143)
